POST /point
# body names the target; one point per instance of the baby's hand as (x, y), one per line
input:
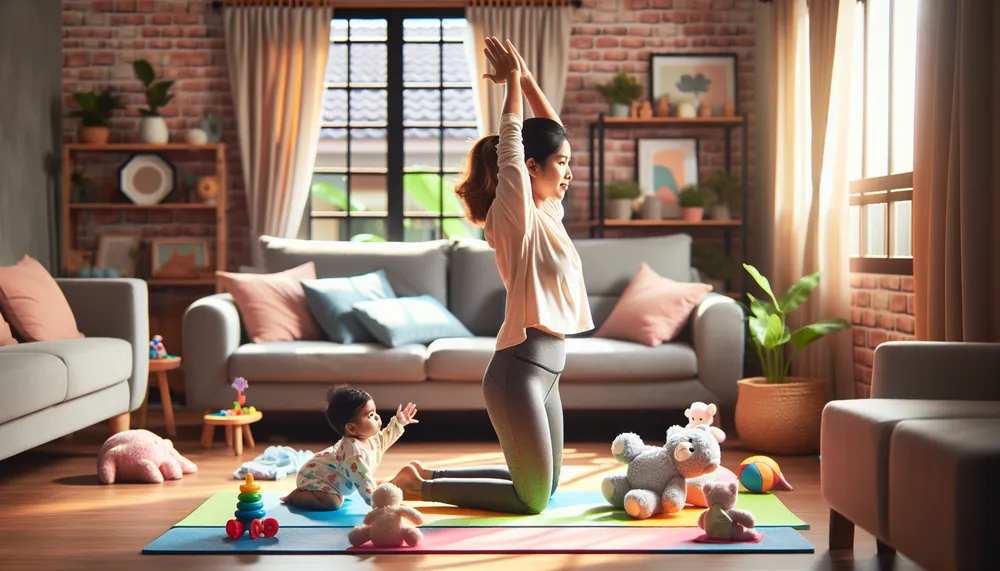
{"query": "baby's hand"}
(405, 416)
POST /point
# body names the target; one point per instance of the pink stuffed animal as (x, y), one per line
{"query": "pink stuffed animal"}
(141, 456)
(701, 413)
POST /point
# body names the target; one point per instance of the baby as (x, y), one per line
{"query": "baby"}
(335, 473)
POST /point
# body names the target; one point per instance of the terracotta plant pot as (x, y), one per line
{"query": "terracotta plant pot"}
(94, 135)
(780, 418)
(693, 214)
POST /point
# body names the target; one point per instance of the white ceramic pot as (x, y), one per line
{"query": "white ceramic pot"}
(651, 209)
(153, 131)
(686, 110)
(619, 110)
(618, 209)
(196, 137)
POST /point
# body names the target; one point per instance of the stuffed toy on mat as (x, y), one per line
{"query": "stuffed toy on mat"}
(656, 479)
(386, 525)
(142, 457)
(696, 486)
(721, 522)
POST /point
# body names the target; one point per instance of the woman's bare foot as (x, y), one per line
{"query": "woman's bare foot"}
(425, 472)
(409, 481)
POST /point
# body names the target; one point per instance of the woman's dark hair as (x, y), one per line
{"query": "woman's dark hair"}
(343, 403)
(477, 186)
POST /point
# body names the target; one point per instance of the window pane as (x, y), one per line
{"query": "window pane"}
(335, 106)
(419, 29)
(427, 192)
(338, 30)
(368, 192)
(328, 193)
(855, 237)
(456, 65)
(421, 149)
(368, 148)
(902, 232)
(327, 228)
(857, 127)
(459, 228)
(453, 205)
(456, 148)
(368, 30)
(877, 138)
(360, 228)
(332, 150)
(453, 28)
(336, 64)
(422, 64)
(368, 63)
(459, 105)
(368, 106)
(874, 230)
(904, 69)
(422, 105)
(421, 229)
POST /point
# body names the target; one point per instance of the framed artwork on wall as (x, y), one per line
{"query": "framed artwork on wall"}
(664, 166)
(180, 258)
(694, 77)
(118, 251)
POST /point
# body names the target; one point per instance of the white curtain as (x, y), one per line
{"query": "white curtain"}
(540, 33)
(277, 65)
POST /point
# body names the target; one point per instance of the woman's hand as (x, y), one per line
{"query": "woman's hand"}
(405, 416)
(526, 77)
(504, 61)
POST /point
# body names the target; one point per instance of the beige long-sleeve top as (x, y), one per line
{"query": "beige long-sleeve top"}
(538, 263)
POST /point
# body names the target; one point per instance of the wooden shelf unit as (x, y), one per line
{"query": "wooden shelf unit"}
(215, 152)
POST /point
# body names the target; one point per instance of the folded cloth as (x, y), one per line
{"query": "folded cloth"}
(275, 463)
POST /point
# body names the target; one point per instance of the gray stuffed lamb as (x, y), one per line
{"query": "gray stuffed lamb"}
(655, 481)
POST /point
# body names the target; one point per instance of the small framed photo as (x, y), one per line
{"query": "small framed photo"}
(664, 167)
(694, 77)
(118, 251)
(180, 258)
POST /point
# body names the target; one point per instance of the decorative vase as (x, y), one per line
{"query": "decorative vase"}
(619, 209)
(153, 131)
(721, 212)
(651, 209)
(196, 137)
(780, 418)
(686, 110)
(94, 135)
(619, 109)
(693, 214)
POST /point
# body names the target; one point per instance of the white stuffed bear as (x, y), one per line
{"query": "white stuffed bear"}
(385, 525)
(701, 413)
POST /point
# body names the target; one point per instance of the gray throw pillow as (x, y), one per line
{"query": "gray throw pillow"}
(408, 320)
(330, 301)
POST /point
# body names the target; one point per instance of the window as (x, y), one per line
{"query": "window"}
(398, 119)
(881, 165)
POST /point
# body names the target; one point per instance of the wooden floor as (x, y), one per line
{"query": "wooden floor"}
(56, 515)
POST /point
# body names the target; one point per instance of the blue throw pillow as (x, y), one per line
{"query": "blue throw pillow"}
(407, 320)
(330, 301)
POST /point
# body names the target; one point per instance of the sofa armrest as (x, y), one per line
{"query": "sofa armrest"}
(118, 308)
(936, 370)
(212, 332)
(717, 329)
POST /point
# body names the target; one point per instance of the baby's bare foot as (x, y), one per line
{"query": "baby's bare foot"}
(425, 472)
(409, 481)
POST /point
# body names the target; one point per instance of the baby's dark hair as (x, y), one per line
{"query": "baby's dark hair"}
(343, 403)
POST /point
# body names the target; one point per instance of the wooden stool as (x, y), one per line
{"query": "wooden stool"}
(234, 434)
(160, 367)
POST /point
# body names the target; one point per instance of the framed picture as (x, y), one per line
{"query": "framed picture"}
(118, 251)
(180, 258)
(694, 77)
(664, 166)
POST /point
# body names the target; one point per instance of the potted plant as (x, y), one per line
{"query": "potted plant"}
(95, 115)
(620, 194)
(153, 129)
(725, 189)
(620, 92)
(714, 265)
(692, 202)
(776, 413)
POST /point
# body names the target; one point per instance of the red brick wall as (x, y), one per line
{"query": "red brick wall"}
(881, 310)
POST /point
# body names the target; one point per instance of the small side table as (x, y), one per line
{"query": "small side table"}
(236, 427)
(160, 368)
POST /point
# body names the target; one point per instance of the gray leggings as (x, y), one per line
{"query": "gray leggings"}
(521, 389)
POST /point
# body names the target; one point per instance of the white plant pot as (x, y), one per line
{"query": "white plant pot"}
(651, 209)
(153, 131)
(618, 209)
(721, 212)
(620, 110)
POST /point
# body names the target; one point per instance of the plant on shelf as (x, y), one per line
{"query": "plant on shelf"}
(726, 191)
(620, 196)
(691, 199)
(95, 113)
(715, 266)
(620, 92)
(153, 129)
(695, 84)
(776, 413)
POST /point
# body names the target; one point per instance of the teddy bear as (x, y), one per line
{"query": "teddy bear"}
(701, 413)
(656, 479)
(386, 524)
(141, 456)
(721, 522)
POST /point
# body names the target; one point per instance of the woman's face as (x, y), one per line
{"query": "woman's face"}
(551, 180)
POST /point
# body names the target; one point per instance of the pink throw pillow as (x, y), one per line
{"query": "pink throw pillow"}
(273, 306)
(653, 309)
(6, 337)
(34, 303)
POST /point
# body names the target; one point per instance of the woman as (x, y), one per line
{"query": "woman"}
(513, 185)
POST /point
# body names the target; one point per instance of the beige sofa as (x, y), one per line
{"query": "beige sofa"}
(703, 365)
(916, 465)
(54, 388)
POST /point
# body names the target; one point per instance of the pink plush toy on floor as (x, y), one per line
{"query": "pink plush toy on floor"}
(701, 413)
(141, 456)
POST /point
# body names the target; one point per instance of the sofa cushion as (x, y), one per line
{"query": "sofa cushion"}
(30, 382)
(587, 359)
(327, 362)
(273, 306)
(407, 320)
(92, 363)
(32, 301)
(331, 300)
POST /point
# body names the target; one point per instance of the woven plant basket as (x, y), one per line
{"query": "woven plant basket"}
(780, 418)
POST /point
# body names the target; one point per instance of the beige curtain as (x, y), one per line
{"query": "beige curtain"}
(277, 63)
(541, 34)
(805, 148)
(956, 172)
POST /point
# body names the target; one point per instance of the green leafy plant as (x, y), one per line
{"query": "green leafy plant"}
(768, 332)
(691, 196)
(622, 89)
(712, 261)
(696, 84)
(622, 189)
(157, 92)
(725, 187)
(96, 108)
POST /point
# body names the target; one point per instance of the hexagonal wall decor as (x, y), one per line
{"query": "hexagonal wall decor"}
(147, 179)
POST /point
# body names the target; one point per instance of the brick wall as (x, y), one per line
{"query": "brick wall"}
(881, 310)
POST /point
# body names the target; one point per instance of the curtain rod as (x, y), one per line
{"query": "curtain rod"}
(218, 4)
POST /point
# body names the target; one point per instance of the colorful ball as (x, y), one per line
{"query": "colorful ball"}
(758, 474)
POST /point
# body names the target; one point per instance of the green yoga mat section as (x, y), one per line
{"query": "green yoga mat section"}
(565, 509)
